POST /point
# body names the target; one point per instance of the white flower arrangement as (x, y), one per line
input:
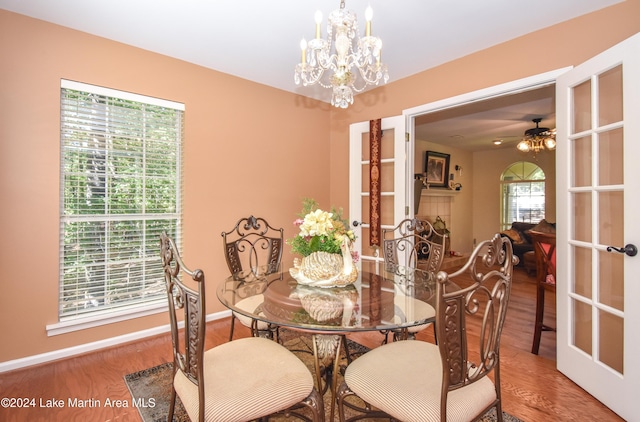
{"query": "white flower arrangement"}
(319, 230)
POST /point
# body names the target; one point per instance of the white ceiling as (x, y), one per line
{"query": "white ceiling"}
(259, 40)
(476, 126)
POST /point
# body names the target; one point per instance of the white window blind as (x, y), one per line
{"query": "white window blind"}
(121, 185)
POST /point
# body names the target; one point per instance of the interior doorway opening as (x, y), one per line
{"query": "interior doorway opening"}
(465, 127)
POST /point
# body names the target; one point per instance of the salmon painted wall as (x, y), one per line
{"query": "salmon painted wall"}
(246, 146)
(565, 44)
(247, 149)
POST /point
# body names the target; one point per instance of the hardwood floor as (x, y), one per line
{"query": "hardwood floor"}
(532, 388)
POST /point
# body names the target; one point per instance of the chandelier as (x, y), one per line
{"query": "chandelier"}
(343, 62)
(537, 139)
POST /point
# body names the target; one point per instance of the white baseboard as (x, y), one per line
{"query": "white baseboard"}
(96, 345)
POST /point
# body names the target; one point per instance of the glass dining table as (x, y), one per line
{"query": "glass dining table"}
(383, 298)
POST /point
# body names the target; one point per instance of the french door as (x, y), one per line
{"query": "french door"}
(598, 181)
(393, 191)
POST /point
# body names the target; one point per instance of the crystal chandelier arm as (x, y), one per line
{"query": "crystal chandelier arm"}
(372, 75)
(331, 62)
(310, 75)
(315, 70)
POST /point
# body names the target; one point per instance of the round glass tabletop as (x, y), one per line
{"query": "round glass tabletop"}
(380, 299)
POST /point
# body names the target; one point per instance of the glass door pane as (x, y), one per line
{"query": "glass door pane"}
(597, 193)
(391, 175)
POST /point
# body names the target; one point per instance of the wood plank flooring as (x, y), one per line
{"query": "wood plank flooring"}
(532, 388)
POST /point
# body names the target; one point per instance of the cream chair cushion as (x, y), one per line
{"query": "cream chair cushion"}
(246, 379)
(250, 304)
(413, 309)
(404, 379)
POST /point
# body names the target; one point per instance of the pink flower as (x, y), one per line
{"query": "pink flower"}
(355, 256)
(298, 222)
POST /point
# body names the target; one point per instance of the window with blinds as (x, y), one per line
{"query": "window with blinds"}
(121, 186)
(523, 194)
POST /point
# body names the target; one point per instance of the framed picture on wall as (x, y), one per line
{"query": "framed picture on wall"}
(437, 168)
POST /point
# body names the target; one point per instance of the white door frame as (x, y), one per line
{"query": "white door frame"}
(509, 88)
(513, 87)
(400, 191)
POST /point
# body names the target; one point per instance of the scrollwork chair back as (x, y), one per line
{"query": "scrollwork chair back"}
(188, 356)
(253, 244)
(261, 374)
(413, 241)
(490, 269)
(253, 248)
(422, 381)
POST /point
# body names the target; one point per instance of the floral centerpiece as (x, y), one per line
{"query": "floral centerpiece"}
(323, 240)
(319, 230)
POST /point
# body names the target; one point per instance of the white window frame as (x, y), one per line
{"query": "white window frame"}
(504, 184)
(108, 310)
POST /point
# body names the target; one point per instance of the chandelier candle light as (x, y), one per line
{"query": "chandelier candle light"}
(346, 63)
(537, 139)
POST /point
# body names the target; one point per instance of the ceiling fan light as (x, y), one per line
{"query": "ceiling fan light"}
(538, 139)
(524, 146)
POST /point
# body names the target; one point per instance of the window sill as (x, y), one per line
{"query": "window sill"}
(108, 317)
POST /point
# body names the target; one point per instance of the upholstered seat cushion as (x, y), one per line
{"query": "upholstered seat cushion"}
(250, 304)
(246, 379)
(404, 379)
(413, 310)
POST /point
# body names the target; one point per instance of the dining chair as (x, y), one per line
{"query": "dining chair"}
(421, 381)
(240, 380)
(544, 247)
(411, 244)
(252, 245)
